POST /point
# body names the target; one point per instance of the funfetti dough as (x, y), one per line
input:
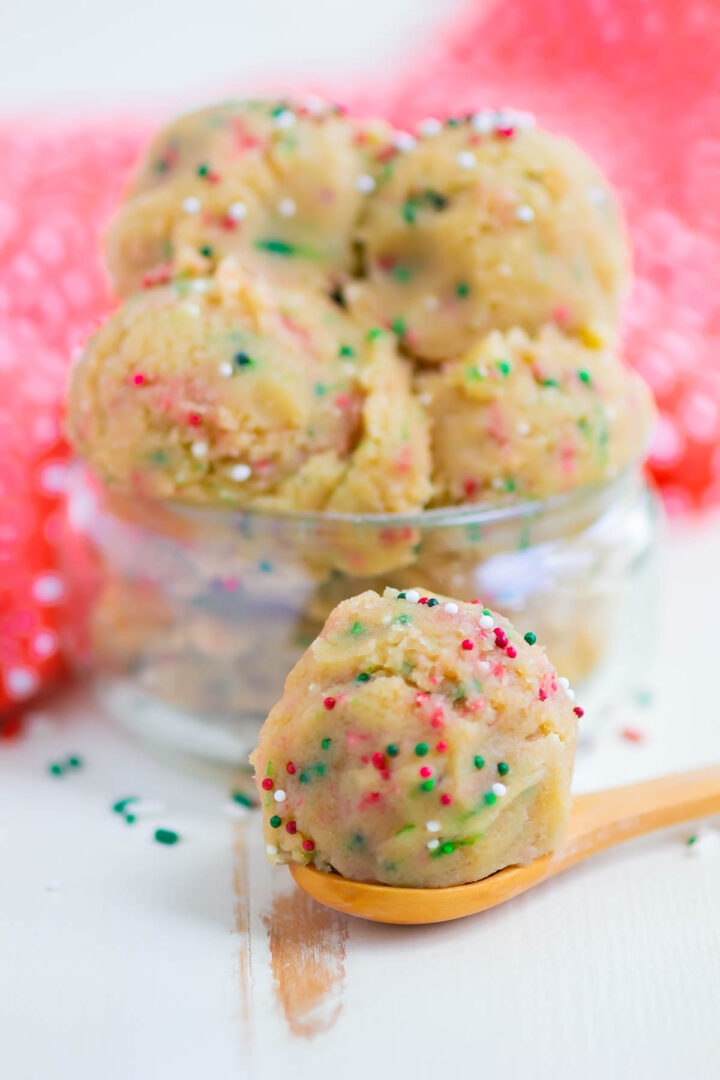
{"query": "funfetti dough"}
(229, 391)
(276, 182)
(419, 742)
(529, 416)
(488, 225)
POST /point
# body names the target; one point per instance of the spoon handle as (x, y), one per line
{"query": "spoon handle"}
(604, 818)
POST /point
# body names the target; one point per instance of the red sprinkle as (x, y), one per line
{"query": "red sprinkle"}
(542, 694)
(446, 799)
(421, 697)
(467, 644)
(511, 651)
(578, 711)
(307, 845)
(423, 600)
(500, 637)
(329, 703)
(291, 827)
(441, 747)
(378, 760)
(474, 601)
(632, 735)
(267, 784)
(194, 419)
(290, 768)
(437, 720)
(426, 771)
(138, 379)
(505, 132)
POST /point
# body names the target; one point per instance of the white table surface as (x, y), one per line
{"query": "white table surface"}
(124, 960)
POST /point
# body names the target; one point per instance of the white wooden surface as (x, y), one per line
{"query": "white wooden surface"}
(124, 960)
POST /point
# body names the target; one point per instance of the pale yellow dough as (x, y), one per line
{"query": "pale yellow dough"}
(411, 747)
(244, 394)
(528, 416)
(471, 232)
(278, 183)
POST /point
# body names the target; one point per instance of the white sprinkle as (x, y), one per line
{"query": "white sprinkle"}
(314, 104)
(239, 472)
(311, 686)
(432, 844)
(432, 826)
(403, 140)
(285, 120)
(483, 667)
(486, 622)
(191, 205)
(484, 121)
(523, 428)
(431, 303)
(525, 213)
(596, 195)
(412, 597)
(280, 795)
(514, 118)
(48, 588)
(499, 790)
(570, 693)
(466, 159)
(451, 608)
(287, 207)
(237, 211)
(226, 368)
(565, 683)
(20, 682)
(199, 449)
(45, 643)
(365, 183)
(425, 399)
(53, 477)
(430, 126)
(271, 849)
(199, 285)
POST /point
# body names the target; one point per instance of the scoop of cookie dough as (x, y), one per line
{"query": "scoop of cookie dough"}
(483, 226)
(227, 391)
(281, 184)
(419, 742)
(530, 416)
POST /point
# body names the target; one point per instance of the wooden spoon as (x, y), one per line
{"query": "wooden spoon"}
(598, 821)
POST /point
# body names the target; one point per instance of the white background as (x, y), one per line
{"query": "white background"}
(119, 959)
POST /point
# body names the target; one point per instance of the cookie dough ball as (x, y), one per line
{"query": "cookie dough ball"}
(279, 184)
(478, 229)
(528, 416)
(418, 742)
(241, 395)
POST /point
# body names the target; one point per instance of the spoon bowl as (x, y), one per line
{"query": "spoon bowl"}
(598, 821)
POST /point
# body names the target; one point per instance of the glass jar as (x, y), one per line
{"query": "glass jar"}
(192, 618)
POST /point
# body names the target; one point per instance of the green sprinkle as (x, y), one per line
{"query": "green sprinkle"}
(166, 836)
(550, 382)
(158, 457)
(242, 360)
(402, 619)
(479, 762)
(357, 842)
(320, 389)
(428, 785)
(462, 289)
(436, 199)
(242, 799)
(346, 350)
(447, 848)
(357, 628)
(203, 170)
(325, 743)
(130, 819)
(408, 211)
(264, 566)
(400, 596)
(275, 822)
(56, 769)
(320, 769)
(206, 250)
(405, 829)
(392, 750)
(503, 768)
(303, 778)
(490, 798)
(401, 273)
(364, 676)
(504, 366)
(277, 247)
(530, 637)
(75, 762)
(375, 333)
(692, 840)
(119, 806)
(585, 376)
(421, 749)
(398, 326)
(433, 602)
